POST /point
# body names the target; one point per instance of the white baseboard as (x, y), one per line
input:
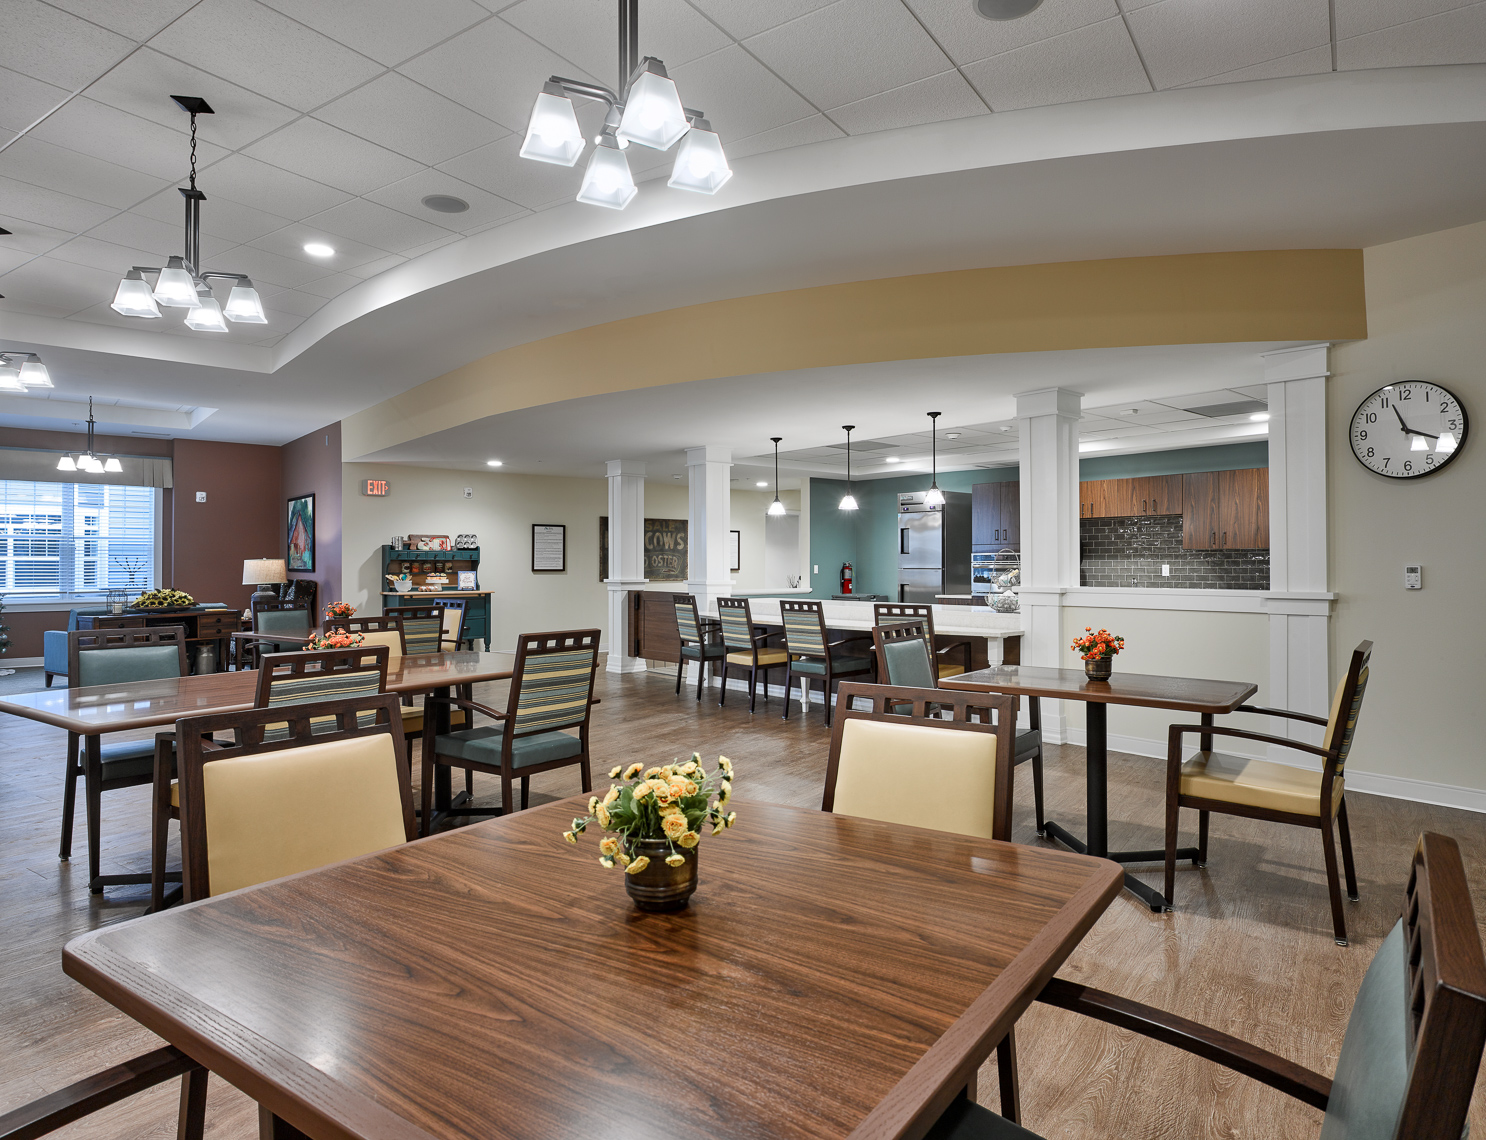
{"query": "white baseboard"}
(21, 662)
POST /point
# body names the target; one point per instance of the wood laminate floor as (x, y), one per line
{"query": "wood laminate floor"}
(1248, 948)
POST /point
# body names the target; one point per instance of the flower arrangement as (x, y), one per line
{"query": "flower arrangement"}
(339, 610)
(335, 639)
(1097, 646)
(670, 803)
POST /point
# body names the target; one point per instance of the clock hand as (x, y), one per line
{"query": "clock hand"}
(1408, 430)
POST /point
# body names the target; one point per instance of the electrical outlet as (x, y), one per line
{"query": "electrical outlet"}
(201, 496)
(1413, 577)
(1165, 570)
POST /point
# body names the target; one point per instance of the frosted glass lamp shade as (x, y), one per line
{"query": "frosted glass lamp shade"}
(35, 375)
(244, 306)
(10, 378)
(848, 502)
(776, 508)
(652, 113)
(134, 298)
(207, 316)
(553, 134)
(175, 287)
(90, 463)
(264, 571)
(701, 165)
(934, 497)
(607, 181)
(112, 465)
(66, 464)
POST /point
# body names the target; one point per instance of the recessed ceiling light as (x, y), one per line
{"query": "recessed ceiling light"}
(446, 204)
(1260, 417)
(319, 249)
(1004, 9)
(761, 483)
(1130, 411)
(893, 459)
(492, 463)
(951, 435)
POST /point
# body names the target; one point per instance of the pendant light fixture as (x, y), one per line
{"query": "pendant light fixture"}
(848, 500)
(180, 284)
(647, 110)
(776, 508)
(22, 371)
(87, 461)
(933, 497)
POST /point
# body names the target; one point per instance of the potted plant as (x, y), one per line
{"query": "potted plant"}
(655, 820)
(339, 611)
(1098, 651)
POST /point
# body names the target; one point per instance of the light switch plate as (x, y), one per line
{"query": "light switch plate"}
(201, 496)
(1165, 570)
(1413, 577)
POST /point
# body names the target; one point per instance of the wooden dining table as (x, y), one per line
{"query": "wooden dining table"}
(1181, 694)
(832, 977)
(93, 711)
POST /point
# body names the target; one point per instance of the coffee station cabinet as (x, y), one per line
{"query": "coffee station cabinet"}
(441, 565)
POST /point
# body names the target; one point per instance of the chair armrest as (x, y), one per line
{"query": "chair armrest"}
(1321, 720)
(848, 640)
(1174, 739)
(1201, 1040)
(460, 703)
(595, 701)
(99, 1090)
(242, 636)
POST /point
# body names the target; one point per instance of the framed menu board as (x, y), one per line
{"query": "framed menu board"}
(549, 547)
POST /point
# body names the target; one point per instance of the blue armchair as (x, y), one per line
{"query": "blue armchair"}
(54, 649)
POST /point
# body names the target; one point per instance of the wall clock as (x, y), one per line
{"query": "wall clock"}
(1408, 429)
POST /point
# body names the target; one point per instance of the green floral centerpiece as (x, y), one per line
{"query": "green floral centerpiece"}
(656, 817)
(163, 599)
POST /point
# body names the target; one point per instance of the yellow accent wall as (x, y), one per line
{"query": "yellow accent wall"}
(1210, 298)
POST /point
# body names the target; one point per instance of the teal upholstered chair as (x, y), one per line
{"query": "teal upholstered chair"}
(904, 657)
(811, 656)
(113, 657)
(278, 627)
(695, 645)
(54, 649)
(747, 648)
(945, 665)
(544, 726)
(1413, 1044)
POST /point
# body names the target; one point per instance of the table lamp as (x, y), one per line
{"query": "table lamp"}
(264, 573)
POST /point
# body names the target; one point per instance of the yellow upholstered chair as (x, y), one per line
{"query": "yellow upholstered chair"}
(747, 648)
(1259, 789)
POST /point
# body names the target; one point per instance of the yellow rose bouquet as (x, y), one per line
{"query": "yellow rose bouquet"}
(670, 804)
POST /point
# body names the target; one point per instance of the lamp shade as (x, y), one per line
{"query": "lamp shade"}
(66, 463)
(264, 571)
(553, 134)
(112, 465)
(653, 115)
(934, 497)
(701, 165)
(10, 377)
(35, 375)
(207, 315)
(776, 508)
(134, 298)
(607, 181)
(175, 286)
(244, 307)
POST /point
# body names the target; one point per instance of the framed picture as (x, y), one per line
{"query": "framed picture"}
(549, 547)
(301, 538)
(735, 550)
(467, 580)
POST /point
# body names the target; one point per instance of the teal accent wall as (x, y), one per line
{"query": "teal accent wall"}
(1183, 461)
(833, 536)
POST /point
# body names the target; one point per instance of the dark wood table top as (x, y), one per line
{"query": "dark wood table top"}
(1186, 694)
(832, 977)
(148, 704)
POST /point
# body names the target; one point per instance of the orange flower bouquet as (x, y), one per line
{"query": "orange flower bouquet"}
(335, 639)
(1098, 651)
(339, 610)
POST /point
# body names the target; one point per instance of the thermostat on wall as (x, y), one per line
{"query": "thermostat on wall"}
(1413, 577)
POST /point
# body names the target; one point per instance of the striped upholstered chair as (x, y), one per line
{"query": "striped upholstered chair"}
(422, 628)
(747, 648)
(544, 726)
(810, 655)
(1235, 785)
(387, 630)
(695, 645)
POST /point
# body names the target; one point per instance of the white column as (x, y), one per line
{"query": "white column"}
(1298, 603)
(1047, 423)
(709, 473)
(626, 557)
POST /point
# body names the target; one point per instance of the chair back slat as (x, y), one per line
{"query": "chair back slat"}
(804, 628)
(894, 613)
(1341, 726)
(737, 623)
(687, 622)
(552, 684)
(904, 656)
(112, 656)
(320, 675)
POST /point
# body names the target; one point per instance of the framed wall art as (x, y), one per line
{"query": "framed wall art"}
(549, 547)
(301, 535)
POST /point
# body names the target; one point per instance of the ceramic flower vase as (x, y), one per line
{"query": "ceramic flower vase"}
(659, 887)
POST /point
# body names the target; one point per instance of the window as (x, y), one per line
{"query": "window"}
(68, 539)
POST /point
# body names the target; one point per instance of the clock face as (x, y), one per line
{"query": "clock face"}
(1408, 429)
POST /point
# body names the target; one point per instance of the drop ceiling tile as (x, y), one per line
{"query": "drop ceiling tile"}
(850, 50)
(1255, 392)
(583, 31)
(500, 169)
(290, 242)
(1358, 17)
(267, 188)
(279, 321)
(1146, 413)
(269, 341)
(968, 37)
(294, 303)
(1451, 37)
(254, 46)
(813, 129)
(1115, 431)
(1312, 61)
(1202, 399)
(140, 85)
(23, 100)
(26, 236)
(741, 96)
(328, 154)
(407, 196)
(114, 259)
(494, 69)
(221, 218)
(138, 19)
(332, 286)
(141, 232)
(1093, 62)
(407, 117)
(126, 140)
(933, 100)
(12, 257)
(67, 171)
(376, 225)
(271, 269)
(45, 282)
(1185, 40)
(743, 20)
(55, 46)
(366, 272)
(387, 30)
(430, 246)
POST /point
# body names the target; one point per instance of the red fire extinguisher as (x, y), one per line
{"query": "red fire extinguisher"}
(846, 577)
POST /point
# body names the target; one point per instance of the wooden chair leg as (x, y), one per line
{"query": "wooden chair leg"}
(505, 790)
(271, 1127)
(1011, 1095)
(1173, 812)
(469, 782)
(701, 675)
(93, 792)
(1333, 884)
(1202, 818)
(69, 796)
(788, 680)
(159, 841)
(1037, 790)
(428, 763)
(191, 1123)
(1347, 864)
(722, 698)
(827, 692)
(525, 792)
(680, 669)
(753, 687)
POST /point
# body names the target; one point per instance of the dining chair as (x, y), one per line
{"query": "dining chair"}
(810, 655)
(112, 657)
(550, 699)
(746, 647)
(904, 658)
(1260, 789)
(899, 762)
(278, 627)
(695, 643)
(1413, 1043)
(387, 630)
(893, 613)
(118, 1082)
(452, 633)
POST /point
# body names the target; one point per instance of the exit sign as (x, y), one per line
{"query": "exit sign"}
(377, 488)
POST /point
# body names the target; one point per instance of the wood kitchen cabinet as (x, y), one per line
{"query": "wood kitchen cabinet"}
(995, 515)
(1226, 510)
(1118, 498)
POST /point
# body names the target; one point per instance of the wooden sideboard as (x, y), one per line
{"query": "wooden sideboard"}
(204, 627)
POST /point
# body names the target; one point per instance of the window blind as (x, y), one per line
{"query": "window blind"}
(69, 539)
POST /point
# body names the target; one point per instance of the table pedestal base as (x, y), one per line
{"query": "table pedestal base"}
(1147, 894)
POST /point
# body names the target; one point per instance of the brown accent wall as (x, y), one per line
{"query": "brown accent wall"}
(240, 519)
(312, 466)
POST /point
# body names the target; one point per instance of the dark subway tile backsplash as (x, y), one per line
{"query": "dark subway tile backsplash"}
(1130, 552)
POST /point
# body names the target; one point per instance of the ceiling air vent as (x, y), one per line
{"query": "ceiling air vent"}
(1240, 408)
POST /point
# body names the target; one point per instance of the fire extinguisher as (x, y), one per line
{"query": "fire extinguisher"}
(846, 577)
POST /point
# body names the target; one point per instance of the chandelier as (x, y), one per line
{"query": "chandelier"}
(87, 461)
(22, 371)
(648, 111)
(180, 284)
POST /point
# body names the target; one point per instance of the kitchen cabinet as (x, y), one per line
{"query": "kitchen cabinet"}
(1118, 498)
(995, 515)
(1226, 510)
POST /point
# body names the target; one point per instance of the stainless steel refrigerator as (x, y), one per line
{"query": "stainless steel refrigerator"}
(933, 546)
